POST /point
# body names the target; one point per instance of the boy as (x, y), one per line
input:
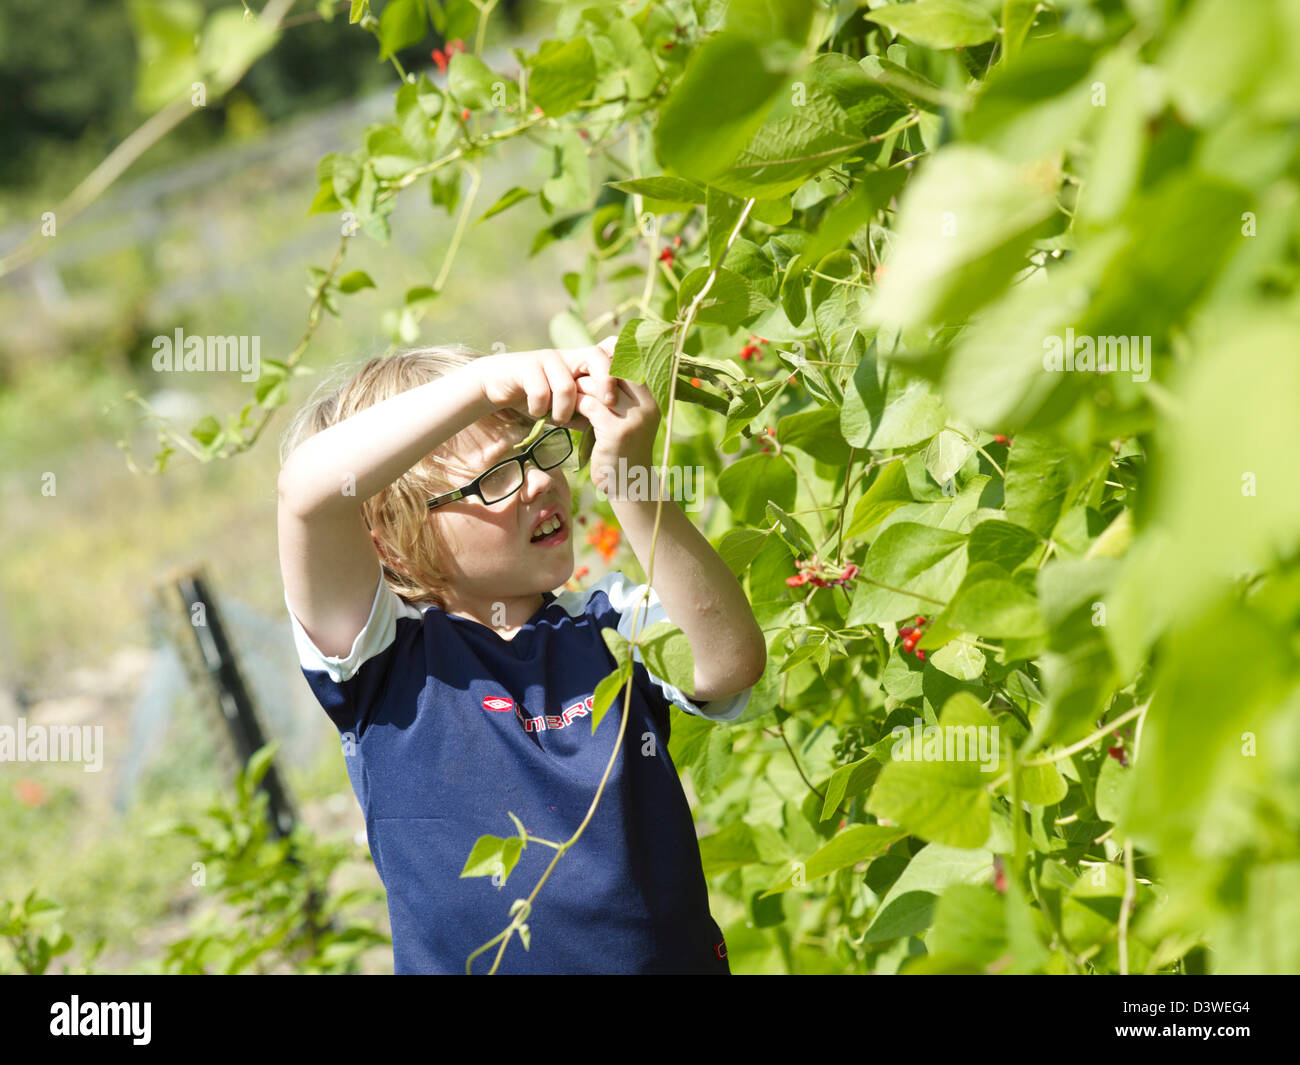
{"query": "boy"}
(462, 686)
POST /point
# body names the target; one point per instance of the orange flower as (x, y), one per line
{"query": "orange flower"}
(29, 792)
(605, 539)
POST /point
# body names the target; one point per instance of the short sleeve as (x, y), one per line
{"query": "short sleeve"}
(623, 598)
(349, 687)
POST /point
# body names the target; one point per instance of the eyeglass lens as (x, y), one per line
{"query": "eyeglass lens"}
(551, 451)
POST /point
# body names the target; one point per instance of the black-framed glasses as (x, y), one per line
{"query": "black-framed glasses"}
(504, 479)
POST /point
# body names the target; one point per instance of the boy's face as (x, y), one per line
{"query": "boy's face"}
(491, 557)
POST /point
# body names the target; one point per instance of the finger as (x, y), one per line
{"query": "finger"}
(598, 390)
(594, 362)
(536, 387)
(597, 414)
(564, 392)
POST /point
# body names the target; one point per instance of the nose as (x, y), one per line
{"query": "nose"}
(536, 481)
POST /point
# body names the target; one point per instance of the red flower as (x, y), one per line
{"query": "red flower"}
(666, 256)
(920, 656)
(1000, 439)
(796, 580)
(464, 115)
(581, 571)
(605, 538)
(440, 58)
(29, 792)
(695, 381)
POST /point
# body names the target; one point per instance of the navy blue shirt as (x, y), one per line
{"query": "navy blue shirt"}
(446, 726)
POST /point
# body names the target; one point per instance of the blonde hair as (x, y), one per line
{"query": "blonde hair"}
(398, 514)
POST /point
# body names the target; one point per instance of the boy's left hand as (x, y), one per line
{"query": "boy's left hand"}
(624, 429)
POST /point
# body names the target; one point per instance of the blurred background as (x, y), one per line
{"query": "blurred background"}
(208, 232)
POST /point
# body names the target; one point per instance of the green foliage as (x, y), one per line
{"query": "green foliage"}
(908, 212)
(271, 909)
(34, 935)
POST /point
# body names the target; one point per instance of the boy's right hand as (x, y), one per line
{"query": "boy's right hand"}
(542, 383)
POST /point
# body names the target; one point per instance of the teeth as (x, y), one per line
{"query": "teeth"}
(546, 528)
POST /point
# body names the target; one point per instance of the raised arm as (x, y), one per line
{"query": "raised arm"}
(327, 558)
(698, 592)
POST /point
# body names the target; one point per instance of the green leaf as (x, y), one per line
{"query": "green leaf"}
(738, 547)
(165, 41)
(1002, 543)
(355, 281)
(936, 786)
(908, 906)
(644, 353)
(848, 781)
(663, 187)
(562, 75)
(570, 182)
(855, 844)
(910, 569)
(1041, 785)
(390, 153)
(815, 432)
(996, 608)
(731, 847)
(689, 737)
(1036, 107)
(747, 485)
(729, 301)
(959, 658)
(899, 411)
(607, 691)
(887, 493)
(666, 652)
(938, 23)
(492, 855)
(206, 430)
(715, 108)
(470, 81)
(794, 534)
(1039, 476)
(508, 199)
(963, 230)
(722, 213)
(401, 25)
(231, 44)
(800, 138)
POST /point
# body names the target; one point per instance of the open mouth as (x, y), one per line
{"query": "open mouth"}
(550, 532)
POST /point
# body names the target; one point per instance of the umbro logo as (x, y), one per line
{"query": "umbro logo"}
(501, 704)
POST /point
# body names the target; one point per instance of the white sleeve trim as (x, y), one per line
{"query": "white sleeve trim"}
(378, 633)
(625, 597)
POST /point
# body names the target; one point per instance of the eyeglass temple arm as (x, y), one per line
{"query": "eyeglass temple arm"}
(446, 497)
